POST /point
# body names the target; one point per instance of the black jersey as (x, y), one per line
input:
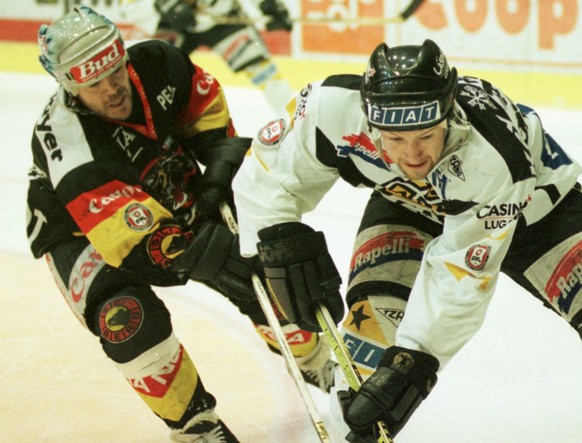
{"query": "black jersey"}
(116, 182)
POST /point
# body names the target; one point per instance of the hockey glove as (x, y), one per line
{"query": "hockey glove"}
(279, 15)
(214, 259)
(153, 257)
(403, 379)
(300, 273)
(222, 161)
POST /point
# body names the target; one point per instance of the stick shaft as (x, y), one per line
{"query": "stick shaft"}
(292, 366)
(345, 361)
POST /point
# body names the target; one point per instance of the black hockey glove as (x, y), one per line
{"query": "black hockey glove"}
(300, 273)
(403, 379)
(279, 15)
(222, 161)
(214, 259)
(175, 15)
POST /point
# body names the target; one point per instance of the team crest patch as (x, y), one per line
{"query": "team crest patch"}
(120, 319)
(477, 256)
(138, 217)
(272, 133)
(160, 245)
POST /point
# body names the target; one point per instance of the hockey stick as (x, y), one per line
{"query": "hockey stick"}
(345, 361)
(292, 366)
(360, 21)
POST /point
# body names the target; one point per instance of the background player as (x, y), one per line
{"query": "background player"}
(191, 24)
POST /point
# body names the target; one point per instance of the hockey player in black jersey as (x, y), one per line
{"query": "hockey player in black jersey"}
(465, 184)
(117, 200)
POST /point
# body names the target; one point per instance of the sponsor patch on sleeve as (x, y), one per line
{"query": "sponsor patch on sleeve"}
(138, 217)
(477, 256)
(272, 133)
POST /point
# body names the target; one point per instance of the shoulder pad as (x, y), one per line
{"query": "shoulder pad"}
(346, 81)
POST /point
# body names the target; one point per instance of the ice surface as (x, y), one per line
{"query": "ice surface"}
(518, 381)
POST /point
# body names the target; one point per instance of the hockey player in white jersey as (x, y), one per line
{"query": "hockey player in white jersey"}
(466, 184)
(225, 27)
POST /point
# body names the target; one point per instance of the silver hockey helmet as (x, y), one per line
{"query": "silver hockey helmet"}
(406, 88)
(81, 48)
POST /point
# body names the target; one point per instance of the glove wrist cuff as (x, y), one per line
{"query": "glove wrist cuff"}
(293, 250)
(419, 367)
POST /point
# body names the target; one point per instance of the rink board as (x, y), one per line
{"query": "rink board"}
(557, 90)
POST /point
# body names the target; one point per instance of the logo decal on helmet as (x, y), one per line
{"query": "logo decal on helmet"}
(99, 63)
(442, 68)
(408, 87)
(405, 116)
(81, 48)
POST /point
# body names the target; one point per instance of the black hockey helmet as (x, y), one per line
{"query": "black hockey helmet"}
(406, 88)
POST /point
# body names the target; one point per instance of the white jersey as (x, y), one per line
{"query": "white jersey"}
(497, 165)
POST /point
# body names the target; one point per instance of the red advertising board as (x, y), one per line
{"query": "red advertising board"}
(343, 38)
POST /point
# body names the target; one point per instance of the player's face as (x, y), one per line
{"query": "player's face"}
(414, 152)
(109, 97)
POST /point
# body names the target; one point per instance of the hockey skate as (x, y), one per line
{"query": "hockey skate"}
(317, 368)
(205, 427)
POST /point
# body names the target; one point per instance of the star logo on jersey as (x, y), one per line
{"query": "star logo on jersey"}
(358, 317)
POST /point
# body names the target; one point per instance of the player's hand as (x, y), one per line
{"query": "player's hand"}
(213, 258)
(279, 15)
(300, 273)
(403, 379)
(222, 161)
